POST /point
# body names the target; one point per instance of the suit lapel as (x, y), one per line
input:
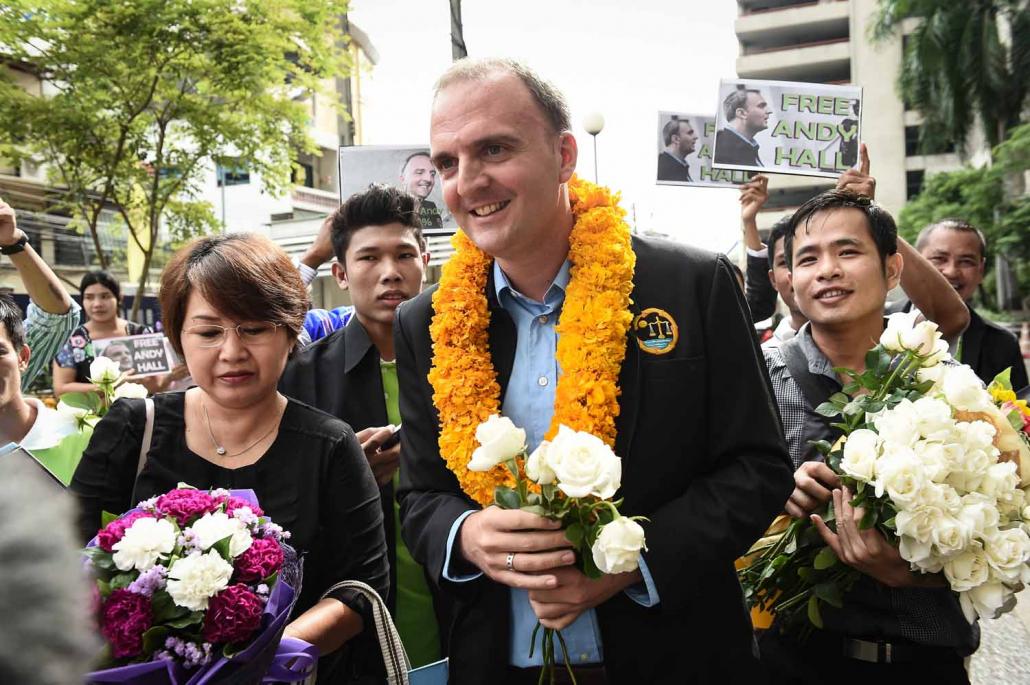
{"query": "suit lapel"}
(629, 384)
(501, 335)
(972, 340)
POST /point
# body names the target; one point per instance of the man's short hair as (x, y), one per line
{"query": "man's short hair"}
(881, 224)
(736, 99)
(413, 155)
(777, 232)
(673, 129)
(10, 316)
(952, 225)
(550, 100)
(378, 206)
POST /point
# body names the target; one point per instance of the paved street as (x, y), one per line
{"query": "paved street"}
(1004, 654)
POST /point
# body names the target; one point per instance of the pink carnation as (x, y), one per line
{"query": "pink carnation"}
(185, 504)
(115, 530)
(232, 503)
(124, 618)
(232, 615)
(263, 558)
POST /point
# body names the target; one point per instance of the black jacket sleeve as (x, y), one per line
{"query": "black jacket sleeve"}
(760, 294)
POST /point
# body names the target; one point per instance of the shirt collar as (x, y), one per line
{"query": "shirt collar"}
(49, 428)
(681, 162)
(749, 141)
(357, 343)
(555, 293)
(817, 361)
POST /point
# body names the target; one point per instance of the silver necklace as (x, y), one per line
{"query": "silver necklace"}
(221, 451)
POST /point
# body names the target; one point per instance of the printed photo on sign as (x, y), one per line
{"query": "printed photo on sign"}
(685, 153)
(142, 355)
(407, 168)
(783, 127)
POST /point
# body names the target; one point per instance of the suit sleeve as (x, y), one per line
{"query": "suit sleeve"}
(760, 294)
(748, 476)
(429, 495)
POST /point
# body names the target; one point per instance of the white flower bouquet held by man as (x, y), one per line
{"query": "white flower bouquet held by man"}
(927, 458)
(190, 587)
(571, 478)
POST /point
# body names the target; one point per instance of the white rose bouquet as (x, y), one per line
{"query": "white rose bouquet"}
(571, 479)
(110, 384)
(920, 451)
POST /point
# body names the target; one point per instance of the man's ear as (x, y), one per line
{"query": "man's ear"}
(340, 275)
(894, 266)
(569, 152)
(23, 357)
(772, 279)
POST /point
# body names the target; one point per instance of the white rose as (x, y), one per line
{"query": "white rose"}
(1008, 552)
(921, 338)
(538, 469)
(195, 579)
(143, 543)
(860, 453)
(964, 390)
(1000, 480)
(988, 600)
(900, 475)
(933, 418)
(104, 370)
(940, 353)
(898, 325)
(976, 435)
(69, 410)
(967, 569)
(979, 512)
(130, 390)
(934, 374)
(934, 460)
(951, 535)
(617, 547)
(499, 440)
(583, 464)
(969, 469)
(897, 425)
(210, 528)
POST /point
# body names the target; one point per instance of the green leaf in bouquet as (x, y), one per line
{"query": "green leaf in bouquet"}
(829, 593)
(90, 401)
(122, 581)
(192, 618)
(534, 499)
(873, 406)
(231, 650)
(165, 608)
(806, 574)
(534, 509)
(590, 569)
(825, 559)
(851, 388)
(271, 580)
(575, 534)
(869, 518)
(869, 380)
(1015, 419)
(1003, 380)
(154, 639)
(852, 408)
(222, 547)
(547, 492)
(839, 399)
(103, 587)
(872, 359)
(106, 518)
(814, 616)
(823, 446)
(506, 498)
(828, 409)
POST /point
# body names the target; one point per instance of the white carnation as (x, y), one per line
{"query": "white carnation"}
(104, 370)
(618, 545)
(860, 454)
(210, 528)
(934, 459)
(144, 542)
(499, 441)
(195, 579)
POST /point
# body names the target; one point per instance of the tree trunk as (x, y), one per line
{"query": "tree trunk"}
(458, 49)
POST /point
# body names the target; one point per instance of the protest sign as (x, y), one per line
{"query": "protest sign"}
(143, 355)
(685, 153)
(407, 168)
(807, 129)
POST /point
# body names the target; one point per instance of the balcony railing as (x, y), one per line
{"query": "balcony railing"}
(796, 46)
(313, 198)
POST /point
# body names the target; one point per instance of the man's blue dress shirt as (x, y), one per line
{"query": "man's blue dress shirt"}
(529, 403)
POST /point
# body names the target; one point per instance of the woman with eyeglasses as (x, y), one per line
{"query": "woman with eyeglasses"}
(233, 306)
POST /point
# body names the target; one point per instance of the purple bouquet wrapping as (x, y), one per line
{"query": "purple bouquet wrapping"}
(196, 587)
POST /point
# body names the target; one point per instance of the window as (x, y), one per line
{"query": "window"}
(913, 183)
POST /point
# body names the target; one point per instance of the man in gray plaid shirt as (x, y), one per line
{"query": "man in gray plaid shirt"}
(895, 626)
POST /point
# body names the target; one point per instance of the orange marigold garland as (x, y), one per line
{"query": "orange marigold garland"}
(591, 337)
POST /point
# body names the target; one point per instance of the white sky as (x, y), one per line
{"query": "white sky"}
(627, 59)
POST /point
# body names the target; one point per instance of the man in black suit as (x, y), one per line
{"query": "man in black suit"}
(747, 114)
(679, 138)
(381, 261)
(959, 251)
(703, 455)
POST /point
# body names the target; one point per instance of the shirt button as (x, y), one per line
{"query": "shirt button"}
(542, 381)
(542, 319)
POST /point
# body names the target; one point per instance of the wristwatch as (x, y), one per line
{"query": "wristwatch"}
(15, 247)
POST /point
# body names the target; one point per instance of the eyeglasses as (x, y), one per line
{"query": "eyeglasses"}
(213, 335)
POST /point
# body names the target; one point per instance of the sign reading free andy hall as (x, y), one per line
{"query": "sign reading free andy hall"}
(783, 127)
(685, 153)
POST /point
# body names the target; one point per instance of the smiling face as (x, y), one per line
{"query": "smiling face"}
(956, 254)
(838, 277)
(503, 166)
(234, 374)
(383, 267)
(419, 176)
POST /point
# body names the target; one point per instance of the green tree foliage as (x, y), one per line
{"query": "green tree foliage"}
(978, 196)
(964, 60)
(139, 96)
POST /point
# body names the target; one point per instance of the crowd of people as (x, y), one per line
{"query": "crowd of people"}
(340, 438)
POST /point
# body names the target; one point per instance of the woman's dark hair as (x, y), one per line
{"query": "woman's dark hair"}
(100, 278)
(881, 224)
(244, 276)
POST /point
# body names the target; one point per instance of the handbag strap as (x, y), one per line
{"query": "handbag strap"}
(394, 656)
(148, 435)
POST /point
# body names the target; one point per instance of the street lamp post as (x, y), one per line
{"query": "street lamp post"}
(594, 123)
